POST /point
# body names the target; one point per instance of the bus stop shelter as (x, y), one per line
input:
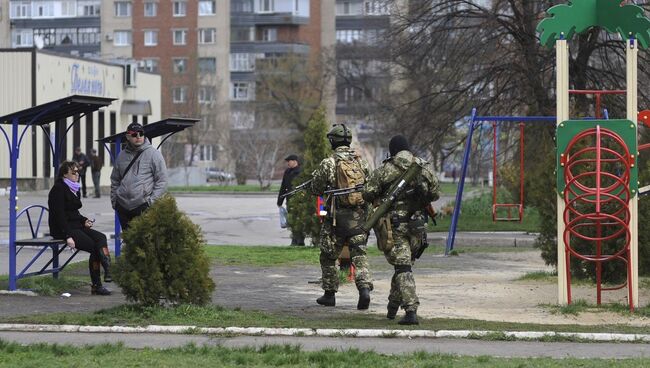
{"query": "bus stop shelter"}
(18, 124)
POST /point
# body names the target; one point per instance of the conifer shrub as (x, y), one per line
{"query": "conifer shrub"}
(302, 206)
(163, 260)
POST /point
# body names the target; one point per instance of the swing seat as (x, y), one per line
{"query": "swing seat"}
(509, 207)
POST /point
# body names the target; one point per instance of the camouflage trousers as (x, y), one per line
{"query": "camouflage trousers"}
(331, 246)
(402, 285)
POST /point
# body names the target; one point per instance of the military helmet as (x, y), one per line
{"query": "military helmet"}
(339, 134)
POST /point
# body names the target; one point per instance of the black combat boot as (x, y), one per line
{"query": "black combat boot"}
(328, 299)
(391, 311)
(106, 264)
(95, 277)
(410, 318)
(364, 299)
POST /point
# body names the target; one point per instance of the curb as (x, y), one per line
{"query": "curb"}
(263, 331)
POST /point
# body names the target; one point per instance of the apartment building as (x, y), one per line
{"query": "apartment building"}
(187, 43)
(66, 26)
(262, 30)
(363, 69)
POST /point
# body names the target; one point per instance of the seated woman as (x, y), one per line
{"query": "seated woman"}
(67, 223)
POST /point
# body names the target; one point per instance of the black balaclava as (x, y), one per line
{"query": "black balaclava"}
(398, 143)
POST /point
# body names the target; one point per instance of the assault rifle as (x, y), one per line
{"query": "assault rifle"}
(297, 189)
(344, 191)
(394, 192)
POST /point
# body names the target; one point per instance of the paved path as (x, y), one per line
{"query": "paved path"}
(380, 345)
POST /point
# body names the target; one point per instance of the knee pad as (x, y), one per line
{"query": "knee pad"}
(402, 268)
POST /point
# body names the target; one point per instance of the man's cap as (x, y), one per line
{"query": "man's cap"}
(291, 157)
(134, 127)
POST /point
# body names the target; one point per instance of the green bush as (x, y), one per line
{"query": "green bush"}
(163, 259)
(302, 206)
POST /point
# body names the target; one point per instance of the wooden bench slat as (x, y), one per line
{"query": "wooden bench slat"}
(38, 242)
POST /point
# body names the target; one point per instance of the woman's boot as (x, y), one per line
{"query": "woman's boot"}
(106, 264)
(95, 277)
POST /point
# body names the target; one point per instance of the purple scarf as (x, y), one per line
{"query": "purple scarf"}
(73, 185)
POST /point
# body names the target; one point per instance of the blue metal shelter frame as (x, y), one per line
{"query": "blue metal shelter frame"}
(163, 128)
(40, 115)
(474, 122)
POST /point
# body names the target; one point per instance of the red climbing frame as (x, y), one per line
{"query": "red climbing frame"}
(509, 206)
(598, 94)
(597, 199)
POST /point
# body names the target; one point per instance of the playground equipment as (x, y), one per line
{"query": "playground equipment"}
(40, 116)
(508, 206)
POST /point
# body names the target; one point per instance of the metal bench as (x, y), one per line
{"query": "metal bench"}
(35, 215)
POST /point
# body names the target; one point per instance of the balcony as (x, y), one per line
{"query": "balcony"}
(277, 19)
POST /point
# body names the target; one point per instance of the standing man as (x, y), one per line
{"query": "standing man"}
(405, 221)
(139, 176)
(292, 171)
(345, 217)
(96, 164)
(82, 160)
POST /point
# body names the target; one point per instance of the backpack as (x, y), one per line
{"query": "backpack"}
(349, 173)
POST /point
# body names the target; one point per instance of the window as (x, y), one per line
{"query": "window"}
(270, 34)
(180, 36)
(207, 65)
(43, 9)
(88, 8)
(207, 7)
(68, 8)
(240, 62)
(375, 7)
(180, 8)
(20, 9)
(150, 38)
(150, 9)
(122, 8)
(22, 38)
(122, 38)
(179, 94)
(348, 35)
(150, 65)
(242, 34)
(179, 65)
(241, 6)
(89, 36)
(346, 7)
(207, 94)
(239, 91)
(266, 6)
(207, 35)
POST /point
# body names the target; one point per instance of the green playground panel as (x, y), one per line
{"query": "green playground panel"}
(568, 129)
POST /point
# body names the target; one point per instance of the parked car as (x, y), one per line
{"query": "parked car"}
(214, 174)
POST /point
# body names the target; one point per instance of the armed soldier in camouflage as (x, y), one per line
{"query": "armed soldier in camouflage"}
(402, 231)
(346, 214)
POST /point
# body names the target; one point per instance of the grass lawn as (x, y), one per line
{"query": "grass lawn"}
(106, 356)
(226, 188)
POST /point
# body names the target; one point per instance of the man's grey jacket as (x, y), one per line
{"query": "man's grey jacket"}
(146, 180)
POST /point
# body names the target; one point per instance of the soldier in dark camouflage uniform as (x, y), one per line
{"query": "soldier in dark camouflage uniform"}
(407, 221)
(343, 223)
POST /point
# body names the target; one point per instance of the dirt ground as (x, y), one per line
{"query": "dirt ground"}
(478, 286)
(472, 285)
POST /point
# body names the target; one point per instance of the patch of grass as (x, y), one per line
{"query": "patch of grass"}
(263, 256)
(215, 316)
(225, 188)
(539, 276)
(447, 188)
(73, 277)
(582, 306)
(476, 215)
(16, 355)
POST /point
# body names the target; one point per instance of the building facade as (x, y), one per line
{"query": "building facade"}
(39, 76)
(66, 26)
(187, 43)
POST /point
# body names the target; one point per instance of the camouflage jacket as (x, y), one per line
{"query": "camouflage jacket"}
(324, 177)
(426, 184)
